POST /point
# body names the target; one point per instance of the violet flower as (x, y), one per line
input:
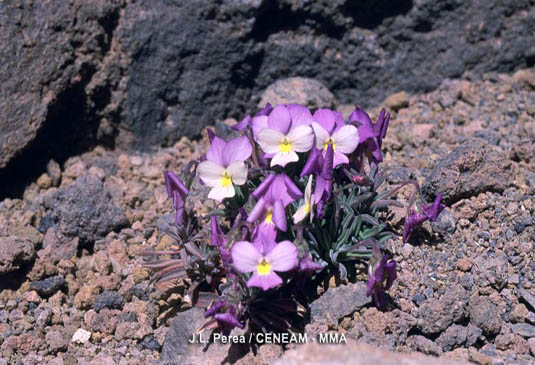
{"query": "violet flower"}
(227, 319)
(225, 166)
(371, 135)
(178, 192)
(418, 215)
(283, 133)
(218, 239)
(308, 266)
(381, 277)
(273, 194)
(330, 129)
(263, 259)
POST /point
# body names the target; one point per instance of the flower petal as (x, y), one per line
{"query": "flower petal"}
(258, 123)
(265, 282)
(245, 256)
(346, 139)
(221, 192)
(270, 140)
(300, 115)
(238, 172)
(240, 126)
(301, 138)
(238, 149)
(311, 165)
(339, 158)
(210, 173)
(322, 136)
(300, 214)
(283, 257)
(263, 187)
(264, 236)
(325, 118)
(215, 152)
(279, 215)
(284, 158)
(280, 119)
(257, 211)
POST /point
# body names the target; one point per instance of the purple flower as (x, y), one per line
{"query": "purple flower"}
(309, 266)
(381, 277)
(227, 319)
(274, 194)
(225, 166)
(263, 259)
(218, 239)
(330, 129)
(322, 168)
(284, 132)
(417, 216)
(371, 135)
(178, 192)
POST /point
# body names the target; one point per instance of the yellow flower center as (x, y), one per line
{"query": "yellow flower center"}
(307, 208)
(327, 143)
(269, 217)
(263, 267)
(285, 146)
(226, 180)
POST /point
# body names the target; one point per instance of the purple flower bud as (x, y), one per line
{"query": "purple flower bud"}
(419, 215)
(177, 191)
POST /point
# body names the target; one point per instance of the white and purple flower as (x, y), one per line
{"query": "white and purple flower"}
(224, 166)
(330, 129)
(264, 258)
(283, 133)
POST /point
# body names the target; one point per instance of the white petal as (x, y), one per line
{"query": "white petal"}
(300, 214)
(301, 138)
(346, 139)
(245, 256)
(270, 140)
(308, 190)
(283, 257)
(284, 158)
(219, 192)
(210, 173)
(322, 136)
(238, 172)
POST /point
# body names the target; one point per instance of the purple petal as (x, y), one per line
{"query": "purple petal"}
(240, 126)
(371, 285)
(327, 168)
(294, 192)
(362, 121)
(264, 231)
(300, 115)
(257, 211)
(280, 119)
(326, 118)
(172, 182)
(319, 189)
(279, 215)
(215, 152)
(228, 319)
(245, 256)
(216, 236)
(265, 282)
(339, 159)
(263, 187)
(433, 211)
(283, 257)
(238, 149)
(311, 165)
(266, 241)
(214, 308)
(391, 274)
(211, 134)
(379, 274)
(308, 266)
(257, 124)
(266, 111)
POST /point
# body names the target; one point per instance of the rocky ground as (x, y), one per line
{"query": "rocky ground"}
(73, 290)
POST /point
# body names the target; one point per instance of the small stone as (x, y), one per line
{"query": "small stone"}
(54, 171)
(480, 358)
(531, 344)
(485, 315)
(48, 286)
(528, 297)
(85, 296)
(524, 330)
(519, 313)
(397, 101)
(15, 252)
(339, 302)
(44, 181)
(464, 264)
(56, 342)
(140, 274)
(298, 90)
(109, 299)
(81, 336)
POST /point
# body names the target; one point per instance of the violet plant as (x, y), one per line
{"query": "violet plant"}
(299, 204)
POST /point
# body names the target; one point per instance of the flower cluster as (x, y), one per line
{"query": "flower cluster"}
(299, 204)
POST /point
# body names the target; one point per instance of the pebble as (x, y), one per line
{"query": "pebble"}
(524, 330)
(81, 336)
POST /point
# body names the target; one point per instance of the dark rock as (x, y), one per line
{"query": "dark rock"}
(418, 298)
(524, 330)
(339, 302)
(15, 252)
(298, 90)
(470, 169)
(438, 314)
(527, 297)
(423, 344)
(45, 223)
(150, 343)
(109, 299)
(50, 109)
(48, 286)
(485, 315)
(446, 223)
(490, 271)
(85, 209)
(127, 317)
